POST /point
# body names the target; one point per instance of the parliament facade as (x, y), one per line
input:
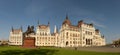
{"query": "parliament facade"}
(80, 35)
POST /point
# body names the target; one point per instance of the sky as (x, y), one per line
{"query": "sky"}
(104, 14)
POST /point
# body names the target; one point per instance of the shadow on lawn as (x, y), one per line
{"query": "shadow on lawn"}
(29, 52)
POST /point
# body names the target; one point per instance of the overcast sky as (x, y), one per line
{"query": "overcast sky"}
(104, 14)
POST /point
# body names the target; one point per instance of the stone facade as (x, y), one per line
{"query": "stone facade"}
(44, 37)
(80, 35)
(16, 37)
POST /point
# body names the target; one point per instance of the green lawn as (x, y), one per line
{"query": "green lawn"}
(14, 50)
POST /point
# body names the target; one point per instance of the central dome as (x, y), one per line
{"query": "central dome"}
(67, 21)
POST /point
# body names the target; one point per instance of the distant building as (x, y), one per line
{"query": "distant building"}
(80, 35)
(16, 37)
(4, 42)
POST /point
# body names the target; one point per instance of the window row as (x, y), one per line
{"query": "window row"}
(15, 42)
(88, 33)
(72, 34)
(73, 42)
(73, 29)
(44, 33)
(45, 38)
(47, 43)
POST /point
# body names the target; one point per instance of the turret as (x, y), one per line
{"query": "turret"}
(38, 22)
(48, 23)
(80, 23)
(12, 29)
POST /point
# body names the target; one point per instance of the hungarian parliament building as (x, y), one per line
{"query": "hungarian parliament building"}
(80, 35)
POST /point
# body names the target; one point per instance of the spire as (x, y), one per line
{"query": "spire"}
(38, 22)
(48, 23)
(55, 30)
(66, 16)
(21, 27)
(12, 28)
(103, 36)
(66, 21)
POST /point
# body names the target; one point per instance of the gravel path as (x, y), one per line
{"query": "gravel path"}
(97, 49)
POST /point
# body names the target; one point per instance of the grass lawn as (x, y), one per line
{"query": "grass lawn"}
(15, 50)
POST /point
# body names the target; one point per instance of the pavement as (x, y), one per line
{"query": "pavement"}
(98, 49)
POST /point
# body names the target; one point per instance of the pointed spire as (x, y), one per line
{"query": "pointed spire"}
(55, 30)
(48, 23)
(21, 27)
(12, 28)
(66, 16)
(38, 22)
(103, 36)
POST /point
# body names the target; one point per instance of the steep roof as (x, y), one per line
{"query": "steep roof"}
(43, 26)
(16, 31)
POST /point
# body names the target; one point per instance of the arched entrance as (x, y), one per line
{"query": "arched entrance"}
(67, 43)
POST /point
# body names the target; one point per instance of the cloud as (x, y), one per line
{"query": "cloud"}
(98, 24)
(95, 23)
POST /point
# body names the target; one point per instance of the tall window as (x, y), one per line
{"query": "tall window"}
(86, 32)
(88, 41)
(91, 33)
(40, 33)
(67, 33)
(45, 33)
(70, 34)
